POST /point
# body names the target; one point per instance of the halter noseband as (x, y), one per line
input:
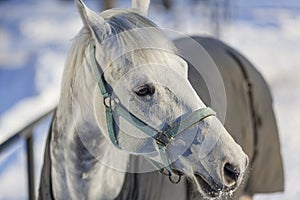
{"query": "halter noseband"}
(162, 138)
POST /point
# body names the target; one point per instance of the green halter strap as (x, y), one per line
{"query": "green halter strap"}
(162, 138)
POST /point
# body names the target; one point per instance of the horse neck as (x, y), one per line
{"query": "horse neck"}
(81, 156)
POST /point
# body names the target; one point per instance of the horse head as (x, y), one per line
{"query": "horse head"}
(145, 105)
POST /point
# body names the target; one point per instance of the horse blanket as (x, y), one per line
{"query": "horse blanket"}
(249, 119)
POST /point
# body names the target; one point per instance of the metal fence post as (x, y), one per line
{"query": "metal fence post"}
(27, 134)
(30, 166)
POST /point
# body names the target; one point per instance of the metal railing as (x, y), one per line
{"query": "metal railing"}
(27, 134)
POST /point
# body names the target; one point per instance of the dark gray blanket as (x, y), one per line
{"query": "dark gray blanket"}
(249, 119)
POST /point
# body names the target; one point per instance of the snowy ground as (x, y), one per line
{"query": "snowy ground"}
(35, 36)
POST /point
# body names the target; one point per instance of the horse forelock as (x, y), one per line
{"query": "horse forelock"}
(134, 41)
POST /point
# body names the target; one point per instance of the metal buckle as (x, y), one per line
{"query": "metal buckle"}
(165, 172)
(162, 139)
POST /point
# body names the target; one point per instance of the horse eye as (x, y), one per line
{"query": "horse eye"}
(145, 90)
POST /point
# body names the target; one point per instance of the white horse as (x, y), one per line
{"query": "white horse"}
(125, 91)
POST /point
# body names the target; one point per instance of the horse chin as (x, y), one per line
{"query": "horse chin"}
(209, 190)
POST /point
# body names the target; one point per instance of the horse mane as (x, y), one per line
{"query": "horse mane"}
(75, 58)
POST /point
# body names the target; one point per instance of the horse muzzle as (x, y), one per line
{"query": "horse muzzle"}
(228, 181)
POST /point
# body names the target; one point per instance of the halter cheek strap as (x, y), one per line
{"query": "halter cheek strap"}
(162, 138)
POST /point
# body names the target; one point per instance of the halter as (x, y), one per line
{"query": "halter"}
(162, 138)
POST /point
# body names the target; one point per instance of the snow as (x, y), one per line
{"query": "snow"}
(35, 37)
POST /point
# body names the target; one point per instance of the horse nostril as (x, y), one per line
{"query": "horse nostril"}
(231, 174)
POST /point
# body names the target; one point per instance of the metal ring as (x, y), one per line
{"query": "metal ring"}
(175, 181)
(107, 100)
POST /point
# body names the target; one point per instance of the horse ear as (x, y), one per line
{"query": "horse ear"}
(97, 25)
(141, 5)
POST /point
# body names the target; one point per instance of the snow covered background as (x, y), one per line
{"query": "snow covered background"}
(35, 37)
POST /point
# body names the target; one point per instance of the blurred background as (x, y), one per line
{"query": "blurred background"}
(35, 37)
